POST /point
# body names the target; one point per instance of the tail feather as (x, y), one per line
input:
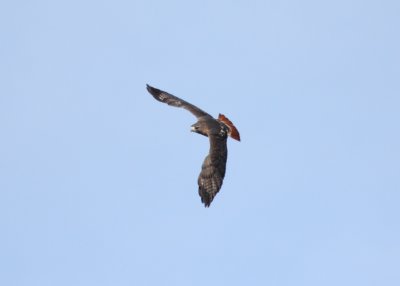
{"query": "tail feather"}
(233, 132)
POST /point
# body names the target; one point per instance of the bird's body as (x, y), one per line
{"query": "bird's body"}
(217, 130)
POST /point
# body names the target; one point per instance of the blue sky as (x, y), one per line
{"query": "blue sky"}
(98, 181)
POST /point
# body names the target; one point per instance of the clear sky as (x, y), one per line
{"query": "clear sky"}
(98, 181)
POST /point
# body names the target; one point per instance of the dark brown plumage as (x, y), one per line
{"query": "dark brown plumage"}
(217, 130)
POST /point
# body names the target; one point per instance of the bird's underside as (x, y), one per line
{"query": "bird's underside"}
(217, 130)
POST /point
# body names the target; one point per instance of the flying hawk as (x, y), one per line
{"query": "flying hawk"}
(217, 130)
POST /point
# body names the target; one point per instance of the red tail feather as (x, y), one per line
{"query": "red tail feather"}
(233, 132)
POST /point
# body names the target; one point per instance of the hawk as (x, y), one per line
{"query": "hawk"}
(217, 130)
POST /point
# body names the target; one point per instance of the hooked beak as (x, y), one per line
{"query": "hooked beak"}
(192, 129)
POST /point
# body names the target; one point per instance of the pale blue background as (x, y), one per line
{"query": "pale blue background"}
(98, 180)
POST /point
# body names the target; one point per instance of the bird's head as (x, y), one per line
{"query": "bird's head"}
(198, 128)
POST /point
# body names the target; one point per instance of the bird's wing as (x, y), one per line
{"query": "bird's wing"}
(175, 101)
(213, 169)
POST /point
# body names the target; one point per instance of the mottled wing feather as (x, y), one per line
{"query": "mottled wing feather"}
(172, 100)
(213, 169)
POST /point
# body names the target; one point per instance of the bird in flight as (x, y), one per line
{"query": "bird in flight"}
(217, 130)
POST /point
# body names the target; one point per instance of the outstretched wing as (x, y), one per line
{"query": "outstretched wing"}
(175, 101)
(213, 169)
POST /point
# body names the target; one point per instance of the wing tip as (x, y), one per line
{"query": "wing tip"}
(155, 92)
(206, 199)
(233, 132)
(152, 90)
